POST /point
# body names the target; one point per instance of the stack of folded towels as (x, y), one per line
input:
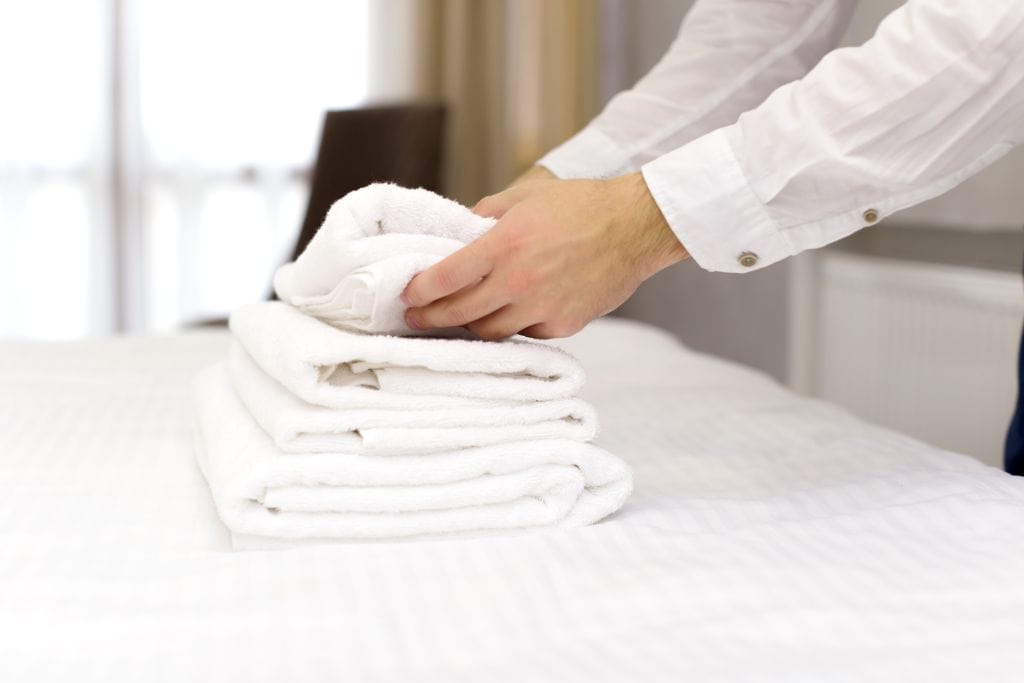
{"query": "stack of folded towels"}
(331, 420)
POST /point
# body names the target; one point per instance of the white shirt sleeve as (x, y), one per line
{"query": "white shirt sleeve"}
(935, 96)
(729, 55)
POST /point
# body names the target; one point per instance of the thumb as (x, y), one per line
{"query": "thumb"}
(495, 205)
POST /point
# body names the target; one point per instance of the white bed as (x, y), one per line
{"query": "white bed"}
(769, 538)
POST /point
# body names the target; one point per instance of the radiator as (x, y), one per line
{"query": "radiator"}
(930, 350)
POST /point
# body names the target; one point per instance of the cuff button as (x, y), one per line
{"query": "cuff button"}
(870, 216)
(748, 259)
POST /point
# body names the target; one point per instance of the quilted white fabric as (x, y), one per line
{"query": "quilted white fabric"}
(769, 538)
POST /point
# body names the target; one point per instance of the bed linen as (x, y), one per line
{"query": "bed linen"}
(769, 538)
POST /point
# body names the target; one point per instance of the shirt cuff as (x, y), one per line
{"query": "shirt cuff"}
(707, 201)
(588, 154)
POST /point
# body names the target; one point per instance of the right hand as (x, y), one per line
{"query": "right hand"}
(533, 173)
(562, 253)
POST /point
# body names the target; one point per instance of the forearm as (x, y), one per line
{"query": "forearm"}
(561, 253)
(930, 100)
(729, 55)
(533, 173)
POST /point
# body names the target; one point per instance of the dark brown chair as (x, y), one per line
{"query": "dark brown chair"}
(400, 143)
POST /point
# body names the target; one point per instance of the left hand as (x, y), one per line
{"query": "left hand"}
(562, 253)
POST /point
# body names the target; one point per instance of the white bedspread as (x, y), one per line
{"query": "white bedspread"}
(769, 538)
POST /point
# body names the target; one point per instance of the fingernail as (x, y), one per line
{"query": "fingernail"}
(411, 321)
(405, 299)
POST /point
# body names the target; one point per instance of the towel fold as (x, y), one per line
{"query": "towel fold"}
(261, 492)
(325, 424)
(330, 367)
(370, 245)
(300, 427)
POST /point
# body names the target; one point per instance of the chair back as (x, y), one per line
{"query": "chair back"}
(394, 143)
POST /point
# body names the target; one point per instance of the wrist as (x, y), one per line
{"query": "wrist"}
(658, 245)
(534, 173)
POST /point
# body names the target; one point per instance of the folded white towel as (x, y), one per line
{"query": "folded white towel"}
(371, 244)
(300, 427)
(260, 491)
(331, 367)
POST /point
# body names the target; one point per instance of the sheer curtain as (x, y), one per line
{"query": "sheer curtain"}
(54, 181)
(518, 77)
(153, 154)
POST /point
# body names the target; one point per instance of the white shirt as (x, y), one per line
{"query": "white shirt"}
(935, 96)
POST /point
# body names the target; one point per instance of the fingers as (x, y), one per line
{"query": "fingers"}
(465, 306)
(551, 330)
(535, 172)
(502, 323)
(495, 205)
(461, 269)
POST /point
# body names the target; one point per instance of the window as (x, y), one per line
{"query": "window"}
(153, 154)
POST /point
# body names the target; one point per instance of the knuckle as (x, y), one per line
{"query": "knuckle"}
(411, 296)
(543, 310)
(485, 206)
(424, 317)
(488, 331)
(547, 310)
(513, 239)
(540, 332)
(478, 329)
(557, 329)
(566, 330)
(521, 281)
(574, 325)
(446, 279)
(453, 314)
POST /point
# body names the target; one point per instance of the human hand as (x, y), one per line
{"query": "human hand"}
(535, 172)
(562, 253)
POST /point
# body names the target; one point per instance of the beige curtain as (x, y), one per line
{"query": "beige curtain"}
(518, 76)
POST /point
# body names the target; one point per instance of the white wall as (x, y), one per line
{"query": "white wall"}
(927, 349)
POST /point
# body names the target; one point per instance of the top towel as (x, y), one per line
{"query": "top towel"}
(371, 244)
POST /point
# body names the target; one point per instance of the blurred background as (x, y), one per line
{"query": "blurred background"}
(156, 159)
